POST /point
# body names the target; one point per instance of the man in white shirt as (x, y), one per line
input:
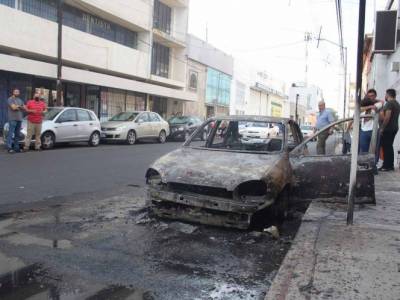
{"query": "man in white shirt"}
(368, 107)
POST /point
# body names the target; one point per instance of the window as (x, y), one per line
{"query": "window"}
(46, 9)
(10, 3)
(83, 115)
(162, 17)
(154, 117)
(144, 117)
(78, 19)
(68, 116)
(193, 75)
(218, 87)
(160, 60)
(247, 136)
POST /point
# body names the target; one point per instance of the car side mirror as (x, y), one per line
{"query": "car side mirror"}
(139, 121)
(190, 124)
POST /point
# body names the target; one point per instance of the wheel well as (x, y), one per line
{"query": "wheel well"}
(48, 131)
(130, 131)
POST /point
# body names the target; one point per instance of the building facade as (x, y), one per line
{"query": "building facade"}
(209, 78)
(382, 70)
(117, 55)
(257, 93)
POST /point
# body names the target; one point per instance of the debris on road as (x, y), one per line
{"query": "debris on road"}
(182, 227)
(273, 230)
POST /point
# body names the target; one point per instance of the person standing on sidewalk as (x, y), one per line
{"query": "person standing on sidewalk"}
(389, 128)
(15, 116)
(35, 109)
(325, 118)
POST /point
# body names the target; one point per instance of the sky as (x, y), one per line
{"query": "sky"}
(269, 35)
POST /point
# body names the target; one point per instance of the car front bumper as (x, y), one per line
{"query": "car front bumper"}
(203, 209)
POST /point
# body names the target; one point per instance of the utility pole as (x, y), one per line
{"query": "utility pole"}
(356, 122)
(345, 83)
(307, 39)
(59, 52)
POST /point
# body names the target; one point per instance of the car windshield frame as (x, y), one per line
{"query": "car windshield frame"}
(127, 118)
(52, 113)
(186, 120)
(207, 123)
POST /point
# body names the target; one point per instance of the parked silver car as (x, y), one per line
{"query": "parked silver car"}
(131, 126)
(66, 125)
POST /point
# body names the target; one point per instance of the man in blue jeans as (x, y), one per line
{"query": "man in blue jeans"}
(15, 116)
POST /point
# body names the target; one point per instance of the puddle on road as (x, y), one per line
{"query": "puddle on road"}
(32, 282)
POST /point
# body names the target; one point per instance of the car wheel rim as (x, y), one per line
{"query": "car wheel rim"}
(48, 141)
(162, 137)
(131, 138)
(95, 139)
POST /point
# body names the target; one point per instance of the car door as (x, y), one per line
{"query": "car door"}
(327, 175)
(86, 125)
(143, 128)
(156, 125)
(66, 126)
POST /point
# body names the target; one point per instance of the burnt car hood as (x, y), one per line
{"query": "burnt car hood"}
(214, 168)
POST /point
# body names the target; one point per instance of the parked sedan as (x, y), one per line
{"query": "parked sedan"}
(225, 181)
(66, 125)
(129, 127)
(182, 127)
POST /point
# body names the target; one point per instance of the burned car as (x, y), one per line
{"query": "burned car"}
(236, 173)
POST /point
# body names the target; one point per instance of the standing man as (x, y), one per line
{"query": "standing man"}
(389, 128)
(15, 116)
(35, 109)
(324, 118)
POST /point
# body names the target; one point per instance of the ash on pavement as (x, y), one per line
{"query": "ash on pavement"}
(113, 249)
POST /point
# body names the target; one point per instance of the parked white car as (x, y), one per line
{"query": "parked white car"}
(258, 131)
(132, 126)
(66, 125)
(307, 130)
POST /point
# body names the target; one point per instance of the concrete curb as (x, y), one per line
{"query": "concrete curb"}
(331, 260)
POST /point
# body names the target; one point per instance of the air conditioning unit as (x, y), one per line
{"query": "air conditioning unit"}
(395, 66)
(385, 31)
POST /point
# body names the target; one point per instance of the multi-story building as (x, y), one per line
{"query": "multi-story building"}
(209, 76)
(257, 93)
(117, 55)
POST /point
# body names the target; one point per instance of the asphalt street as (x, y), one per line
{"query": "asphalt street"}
(67, 172)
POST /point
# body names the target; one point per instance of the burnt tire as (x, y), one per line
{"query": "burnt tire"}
(48, 140)
(131, 137)
(94, 140)
(162, 137)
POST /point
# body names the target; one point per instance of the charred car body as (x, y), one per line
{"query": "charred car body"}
(230, 177)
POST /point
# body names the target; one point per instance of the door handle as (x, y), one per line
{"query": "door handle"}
(91, 124)
(75, 125)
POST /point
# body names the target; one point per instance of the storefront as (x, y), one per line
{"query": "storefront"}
(105, 102)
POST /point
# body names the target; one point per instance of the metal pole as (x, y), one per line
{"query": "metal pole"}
(59, 52)
(345, 83)
(296, 113)
(356, 122)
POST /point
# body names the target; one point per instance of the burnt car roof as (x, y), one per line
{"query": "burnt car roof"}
(251, 118)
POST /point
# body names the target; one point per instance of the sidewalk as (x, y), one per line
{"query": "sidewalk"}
(329, 260)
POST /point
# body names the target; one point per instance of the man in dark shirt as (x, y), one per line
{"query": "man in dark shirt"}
(15, 116)
(389, 128)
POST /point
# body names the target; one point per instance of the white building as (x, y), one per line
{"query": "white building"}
(117, 55)
(306, 97)
(256, 92)
(382, 70)
(209, 76)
